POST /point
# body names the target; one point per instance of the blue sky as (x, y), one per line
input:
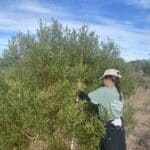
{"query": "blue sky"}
(127, 22)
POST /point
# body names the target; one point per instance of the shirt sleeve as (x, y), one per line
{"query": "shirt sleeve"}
(95, 97)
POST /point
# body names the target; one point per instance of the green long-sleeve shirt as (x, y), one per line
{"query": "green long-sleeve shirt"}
(107, 99)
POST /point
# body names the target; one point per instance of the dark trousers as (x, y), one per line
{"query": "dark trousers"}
(114, 138)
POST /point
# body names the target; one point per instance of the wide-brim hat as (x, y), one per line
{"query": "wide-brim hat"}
(113, 72)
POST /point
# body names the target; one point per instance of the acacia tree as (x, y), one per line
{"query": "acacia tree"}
(40, 76)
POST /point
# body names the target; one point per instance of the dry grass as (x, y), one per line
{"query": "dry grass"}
(139, 138)
(38, 145)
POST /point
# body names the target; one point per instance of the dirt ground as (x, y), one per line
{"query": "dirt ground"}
(139, 138)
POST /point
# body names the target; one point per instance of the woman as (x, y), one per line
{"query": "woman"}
(110, 104)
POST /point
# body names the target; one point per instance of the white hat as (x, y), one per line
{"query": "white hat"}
(112, 72)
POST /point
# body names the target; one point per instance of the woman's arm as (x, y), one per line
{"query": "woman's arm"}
(93, 108)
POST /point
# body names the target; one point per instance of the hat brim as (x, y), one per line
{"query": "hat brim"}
(119, 76)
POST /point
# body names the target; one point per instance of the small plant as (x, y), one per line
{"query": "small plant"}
(130, 121)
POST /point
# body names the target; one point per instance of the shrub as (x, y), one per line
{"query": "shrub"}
(40, 76)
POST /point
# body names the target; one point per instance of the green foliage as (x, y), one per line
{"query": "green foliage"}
(146, 67)
(142, 65)
(142, 72)
(40, 76)
(130, 121)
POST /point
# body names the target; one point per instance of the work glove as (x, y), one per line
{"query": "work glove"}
(83, 96)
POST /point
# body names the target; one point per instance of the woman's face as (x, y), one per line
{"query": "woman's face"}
(107, 82)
